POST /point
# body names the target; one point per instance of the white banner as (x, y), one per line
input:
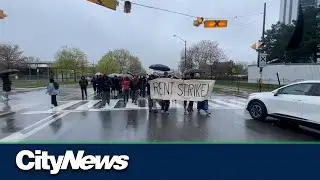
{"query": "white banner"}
(184, 90)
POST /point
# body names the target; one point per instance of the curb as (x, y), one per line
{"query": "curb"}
(6, 114)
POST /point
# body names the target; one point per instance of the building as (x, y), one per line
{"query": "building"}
(289, 9)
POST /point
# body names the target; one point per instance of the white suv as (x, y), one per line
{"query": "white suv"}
(298, 102)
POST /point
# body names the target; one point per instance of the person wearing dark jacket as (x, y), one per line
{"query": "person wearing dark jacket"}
(106, 85)
(143, 84)
(190, 105)
(134, 88)
(165, 104)
(83, 86)
(6, 86)
(99, 82)
(93, 82)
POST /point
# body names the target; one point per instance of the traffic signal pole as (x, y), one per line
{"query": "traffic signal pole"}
(263, 32)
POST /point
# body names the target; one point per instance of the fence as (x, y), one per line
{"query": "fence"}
(268, 84)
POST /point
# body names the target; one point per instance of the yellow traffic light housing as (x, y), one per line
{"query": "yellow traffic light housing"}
(198, 21)
(2, 14)
(215, 23)
(111, 4)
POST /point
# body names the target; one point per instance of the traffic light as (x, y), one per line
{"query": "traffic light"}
(127, 6)
(198, 21)
(257, 46)
(111, 4)
(2, 14)
(215, 23)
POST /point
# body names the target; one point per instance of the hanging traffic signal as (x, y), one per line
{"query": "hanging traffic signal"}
(111, 4)
(198, 21)
(2, 14)
(127, 6)
(215, 23)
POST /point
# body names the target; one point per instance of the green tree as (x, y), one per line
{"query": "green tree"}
(124, 62)
(277, 38)
(71, 60)
(108, 65)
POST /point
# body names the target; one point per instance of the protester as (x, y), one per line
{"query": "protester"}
(125, 88)
(151, 102)
(99, 82)
(120, 79)
(115, 86)
(105, 90)
(134, 88)
(143, 84)
(165, 104)
(52, 90)
(188, 108)
(6, 86)
(83, 86)
(94, 83)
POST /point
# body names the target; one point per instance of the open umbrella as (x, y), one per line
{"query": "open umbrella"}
(98, 74)
(8, 72)
(114, 74)
(159, 67)
(126, 75)
(189, 71)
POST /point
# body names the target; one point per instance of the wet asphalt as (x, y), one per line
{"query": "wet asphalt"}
(28, 117)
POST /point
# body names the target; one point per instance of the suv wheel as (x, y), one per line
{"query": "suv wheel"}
(258, 110)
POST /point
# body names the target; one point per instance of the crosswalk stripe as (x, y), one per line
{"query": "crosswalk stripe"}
(213, 105)
(88, 105)
(131, 105)
(66, 105)
(177, 105)
(224, 103)
(113, 103)
(236, 102)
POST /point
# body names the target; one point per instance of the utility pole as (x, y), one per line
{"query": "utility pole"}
(185, 55)
(262, 38)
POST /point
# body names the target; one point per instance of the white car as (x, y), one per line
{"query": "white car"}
(298, 102)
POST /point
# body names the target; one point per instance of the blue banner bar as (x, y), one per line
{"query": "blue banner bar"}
(160, 161)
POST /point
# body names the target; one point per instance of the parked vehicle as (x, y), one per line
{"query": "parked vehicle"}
(297, 102)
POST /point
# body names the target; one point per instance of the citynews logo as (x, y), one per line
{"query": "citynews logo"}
(41, 160)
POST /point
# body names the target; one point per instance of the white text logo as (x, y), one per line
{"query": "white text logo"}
(41, 160)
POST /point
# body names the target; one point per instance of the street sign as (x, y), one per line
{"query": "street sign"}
(262, 59)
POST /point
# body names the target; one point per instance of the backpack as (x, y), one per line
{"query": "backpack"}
(56, 85)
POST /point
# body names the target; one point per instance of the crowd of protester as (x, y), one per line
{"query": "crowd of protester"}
(126, 87)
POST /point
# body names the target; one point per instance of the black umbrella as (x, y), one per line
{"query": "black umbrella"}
(8, 72)
(159, 67)
(194, 71)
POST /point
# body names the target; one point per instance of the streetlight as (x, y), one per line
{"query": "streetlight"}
(185, 51)
(211, 63)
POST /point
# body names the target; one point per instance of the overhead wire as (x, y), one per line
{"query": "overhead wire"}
(188, 15)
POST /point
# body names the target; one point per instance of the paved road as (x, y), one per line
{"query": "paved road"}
(28, 117)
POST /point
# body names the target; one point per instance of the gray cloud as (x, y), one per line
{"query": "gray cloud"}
(42, 27)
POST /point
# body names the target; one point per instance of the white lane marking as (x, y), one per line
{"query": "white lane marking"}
(55, 110)
(225, 103)
(37, 129)
(87, 105)
(17, 134)
(131, 105)
(215, 106)
(63, 106)
(112, 104)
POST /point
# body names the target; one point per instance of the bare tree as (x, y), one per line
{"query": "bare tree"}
(202, 55)
(11, 57)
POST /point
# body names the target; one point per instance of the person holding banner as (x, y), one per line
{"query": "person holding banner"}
(151, 102)
(190, 106)
(165, 104)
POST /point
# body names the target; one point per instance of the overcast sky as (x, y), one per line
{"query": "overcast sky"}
(41, 27)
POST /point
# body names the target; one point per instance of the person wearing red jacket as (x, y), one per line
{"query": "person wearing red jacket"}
(125, 88)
